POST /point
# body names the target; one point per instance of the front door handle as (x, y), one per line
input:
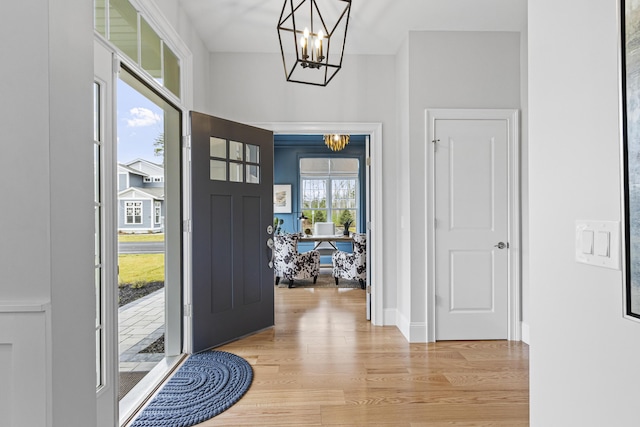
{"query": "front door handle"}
(501, 245)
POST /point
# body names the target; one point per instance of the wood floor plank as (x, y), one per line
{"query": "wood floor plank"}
(323, 364)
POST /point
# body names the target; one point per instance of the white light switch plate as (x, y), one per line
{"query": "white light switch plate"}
(598, 243)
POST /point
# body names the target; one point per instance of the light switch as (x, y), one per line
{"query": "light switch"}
(598, 243)
(601, 244)
(587, 242)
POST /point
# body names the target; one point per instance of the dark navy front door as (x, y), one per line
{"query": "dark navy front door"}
(232, 200)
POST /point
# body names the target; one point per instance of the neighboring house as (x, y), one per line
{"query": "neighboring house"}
(140, 197)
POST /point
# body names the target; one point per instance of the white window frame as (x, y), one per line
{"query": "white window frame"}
(157, 212)
(329, 189)
(132, 205)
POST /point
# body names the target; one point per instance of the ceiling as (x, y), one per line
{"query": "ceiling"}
(376, 27)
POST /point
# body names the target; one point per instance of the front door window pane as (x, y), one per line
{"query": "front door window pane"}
(235, 151)
(235, 172)
(253, 174)
(218, 147)
(253, 153)
(218, 170)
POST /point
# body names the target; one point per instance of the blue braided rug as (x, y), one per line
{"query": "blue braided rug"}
(204, 386)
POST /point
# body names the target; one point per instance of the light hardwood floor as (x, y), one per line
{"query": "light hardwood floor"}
(323, 364)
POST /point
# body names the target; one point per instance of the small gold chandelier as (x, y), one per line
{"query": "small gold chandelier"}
(336, 142)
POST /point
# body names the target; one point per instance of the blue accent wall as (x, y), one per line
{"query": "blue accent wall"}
(288, 150)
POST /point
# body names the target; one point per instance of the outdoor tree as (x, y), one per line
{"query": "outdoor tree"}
(158, 146)
(345, 216)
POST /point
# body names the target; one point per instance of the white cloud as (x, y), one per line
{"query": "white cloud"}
(142, 117)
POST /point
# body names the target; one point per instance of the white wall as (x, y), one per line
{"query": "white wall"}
(403, 186)
(252, 88)
(446, 70)
(584, 356)
(46, 220)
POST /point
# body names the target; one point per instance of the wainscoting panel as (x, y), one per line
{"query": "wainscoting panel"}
(24, 356)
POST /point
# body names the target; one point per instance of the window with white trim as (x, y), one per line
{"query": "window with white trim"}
(133, 212)
(330, 191)
(157, 212)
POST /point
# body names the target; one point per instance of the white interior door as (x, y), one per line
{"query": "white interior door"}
(471, 229)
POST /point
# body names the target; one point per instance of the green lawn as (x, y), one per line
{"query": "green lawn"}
(140, 268)
(151, 237)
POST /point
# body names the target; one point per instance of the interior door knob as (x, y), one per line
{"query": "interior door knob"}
(501, 245)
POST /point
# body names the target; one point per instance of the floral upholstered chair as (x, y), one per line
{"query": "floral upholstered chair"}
(352, 266)
(290, 264)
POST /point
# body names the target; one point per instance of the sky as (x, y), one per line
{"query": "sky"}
(140, 121)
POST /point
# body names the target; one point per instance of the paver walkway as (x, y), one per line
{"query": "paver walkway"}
(140, 323)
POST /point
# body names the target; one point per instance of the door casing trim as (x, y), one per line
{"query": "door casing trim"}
(374, 130)
(511, 116)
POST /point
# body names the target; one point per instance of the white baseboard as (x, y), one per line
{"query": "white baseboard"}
(414, 332)
(525, 333)
(389, 317)
(402, 323)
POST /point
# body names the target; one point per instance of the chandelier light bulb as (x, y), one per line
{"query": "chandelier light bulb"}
(319, 45)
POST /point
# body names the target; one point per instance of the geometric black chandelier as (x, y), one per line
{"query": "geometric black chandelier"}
(312, 36)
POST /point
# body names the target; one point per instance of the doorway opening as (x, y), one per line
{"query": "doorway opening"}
(148, 226)
(374, 216)
(327, 191)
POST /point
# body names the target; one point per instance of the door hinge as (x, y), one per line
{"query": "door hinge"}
(188, 310)
(186, 144)
(369, 289)
(186, 226)
(435, 144)
(368, 161)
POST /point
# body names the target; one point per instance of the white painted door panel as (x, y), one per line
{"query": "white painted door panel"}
(471, 213)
